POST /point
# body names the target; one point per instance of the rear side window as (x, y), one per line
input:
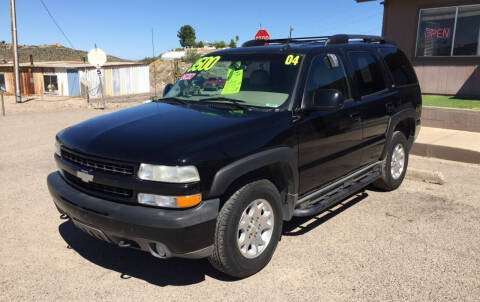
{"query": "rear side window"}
(368, 73)
(327, 72)
(400, 68)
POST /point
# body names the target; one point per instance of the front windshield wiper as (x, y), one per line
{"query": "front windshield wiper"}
(171, 99)
(237, 103)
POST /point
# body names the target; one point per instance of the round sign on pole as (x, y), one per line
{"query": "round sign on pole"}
(97, 57)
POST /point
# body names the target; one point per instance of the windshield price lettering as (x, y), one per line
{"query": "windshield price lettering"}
(205, 63)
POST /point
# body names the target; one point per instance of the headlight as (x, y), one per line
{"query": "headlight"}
(176, 174)
(57, 148)
(169, 201)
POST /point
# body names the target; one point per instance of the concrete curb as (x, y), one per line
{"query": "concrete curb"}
(433, 177)
(451, 118)
(444, 152)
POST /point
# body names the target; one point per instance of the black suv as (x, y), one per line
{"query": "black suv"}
(299, 125)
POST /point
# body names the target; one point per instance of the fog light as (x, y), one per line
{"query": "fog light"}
(161, 250)
(169, 201)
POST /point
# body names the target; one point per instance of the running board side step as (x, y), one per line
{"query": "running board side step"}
(335, 192)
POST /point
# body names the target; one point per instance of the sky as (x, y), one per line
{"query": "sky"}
(124, 28)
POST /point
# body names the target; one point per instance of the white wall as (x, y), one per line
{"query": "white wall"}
(62, 81)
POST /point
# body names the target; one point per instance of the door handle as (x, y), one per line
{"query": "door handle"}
(356, 117)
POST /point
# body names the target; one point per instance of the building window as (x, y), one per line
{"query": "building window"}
(449, 31)
(50, 83)
(467, 39)
(2, 82)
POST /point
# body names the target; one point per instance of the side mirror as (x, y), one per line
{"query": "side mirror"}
(167, 88)
(323, 99)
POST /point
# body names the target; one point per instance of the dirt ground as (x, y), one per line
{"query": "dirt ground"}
(32, 104)
(418, 243)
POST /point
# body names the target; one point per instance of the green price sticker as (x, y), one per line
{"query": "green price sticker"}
(292, 60)
(234, 81)
(205, 63)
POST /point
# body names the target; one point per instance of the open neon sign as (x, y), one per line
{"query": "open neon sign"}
(437, 33)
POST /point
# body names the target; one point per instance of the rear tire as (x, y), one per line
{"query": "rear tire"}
(257, 201)
(395, 163)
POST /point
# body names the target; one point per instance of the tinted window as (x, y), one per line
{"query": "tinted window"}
(368, 73)
(327, 72)
(400, 68)
(260, 80)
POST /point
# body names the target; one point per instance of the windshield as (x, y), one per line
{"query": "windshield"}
(262, 80)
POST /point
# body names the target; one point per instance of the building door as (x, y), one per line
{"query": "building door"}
(73, 82)
(26, 82)
(116, 81)
(2, 82)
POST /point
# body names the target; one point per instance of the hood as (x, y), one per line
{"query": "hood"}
(161, 133)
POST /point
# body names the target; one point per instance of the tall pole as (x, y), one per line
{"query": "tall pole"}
(154, 67)
(13, 17)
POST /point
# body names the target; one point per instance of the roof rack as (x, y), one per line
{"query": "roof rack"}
(329, 40)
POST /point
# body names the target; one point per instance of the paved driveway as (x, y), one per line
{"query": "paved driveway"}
(421, 242)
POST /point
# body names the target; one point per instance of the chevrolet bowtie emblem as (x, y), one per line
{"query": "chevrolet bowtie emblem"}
(84, 176)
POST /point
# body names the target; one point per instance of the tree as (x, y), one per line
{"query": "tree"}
(200, 44)
(186, 34)
(220, 44)
(232, 44)
(191, 57)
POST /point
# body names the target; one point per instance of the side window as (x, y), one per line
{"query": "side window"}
(327, 72)
(400, 68)
(368, 73)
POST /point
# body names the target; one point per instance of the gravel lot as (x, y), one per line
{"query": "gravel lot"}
(421, 242)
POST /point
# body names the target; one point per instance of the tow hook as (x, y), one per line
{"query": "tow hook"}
(64, 216)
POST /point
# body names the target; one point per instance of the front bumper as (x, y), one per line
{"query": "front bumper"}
(181, 233)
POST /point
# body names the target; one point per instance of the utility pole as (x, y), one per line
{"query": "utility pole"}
(85, 79)
(13, 17)
(154, 67)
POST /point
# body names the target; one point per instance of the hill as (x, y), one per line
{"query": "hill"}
(47, 52)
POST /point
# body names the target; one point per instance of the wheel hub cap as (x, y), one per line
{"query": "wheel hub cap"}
(398, 161)
(255, 228)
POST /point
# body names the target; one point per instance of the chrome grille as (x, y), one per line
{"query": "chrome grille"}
(95, 164)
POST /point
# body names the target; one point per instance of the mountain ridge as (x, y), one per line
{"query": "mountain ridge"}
(47, 53)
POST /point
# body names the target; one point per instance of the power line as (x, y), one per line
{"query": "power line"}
(58, 26)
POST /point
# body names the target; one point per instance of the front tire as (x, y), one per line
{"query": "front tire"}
(248, 230)
(395, 163)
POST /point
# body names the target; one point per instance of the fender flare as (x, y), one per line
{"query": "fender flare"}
(280, 155)
(408, 113)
